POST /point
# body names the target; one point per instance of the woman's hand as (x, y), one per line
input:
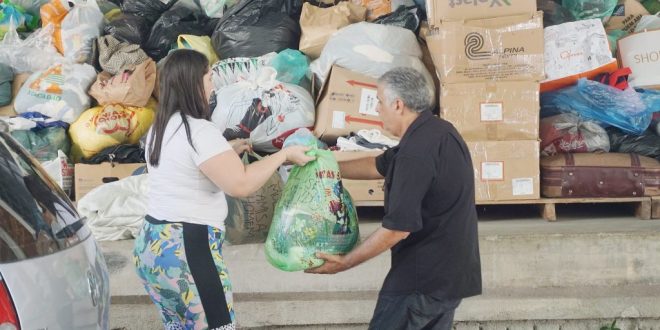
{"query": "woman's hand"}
(296, 155)
(241, 145)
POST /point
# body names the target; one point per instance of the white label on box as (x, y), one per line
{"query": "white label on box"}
(491, 112)
(368, 102)
(522, 186)
(492, 171)
(338, 119)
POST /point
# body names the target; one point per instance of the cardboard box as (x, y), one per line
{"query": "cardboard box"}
(492, 111)
(505, 48)
(575, 50)
(347, 103)
(88, 177)
(626, 15)
(441, 10)
(19, 80)
(505, 170)
(365, 190)
(641, 52)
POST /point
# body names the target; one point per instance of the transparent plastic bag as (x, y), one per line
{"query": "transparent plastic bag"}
(648, 22)
(567, 133)
(37, 52)
(43, 144)
(315, 213)
(249, 218)
(628, 109)
(291, 66)
(586, 9)
(81, 26)
(23, 21)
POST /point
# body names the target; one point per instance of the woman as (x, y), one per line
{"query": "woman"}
(178, 253)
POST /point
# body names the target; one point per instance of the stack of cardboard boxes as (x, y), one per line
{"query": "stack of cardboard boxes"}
(489, 58)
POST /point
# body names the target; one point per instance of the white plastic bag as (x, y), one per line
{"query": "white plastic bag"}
(370, 49)
(264, 110)
(648, 23)
(81, 26)
(59, 92)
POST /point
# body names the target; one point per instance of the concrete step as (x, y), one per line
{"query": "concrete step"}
(575, 269)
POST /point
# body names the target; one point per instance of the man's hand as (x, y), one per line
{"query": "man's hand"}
(333, 264)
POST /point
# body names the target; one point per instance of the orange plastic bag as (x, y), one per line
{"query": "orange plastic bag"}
(54, 13)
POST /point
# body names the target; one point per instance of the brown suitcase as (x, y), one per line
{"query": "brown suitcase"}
(599, 175)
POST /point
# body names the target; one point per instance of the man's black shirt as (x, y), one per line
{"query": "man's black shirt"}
(429, 192)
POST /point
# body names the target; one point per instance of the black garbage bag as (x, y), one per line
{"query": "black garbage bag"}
(256, 27)
(123, 154)
(647, 144)
(404, 17)
(147, 9)
(129, 28)
(554, 13)
(185, 17)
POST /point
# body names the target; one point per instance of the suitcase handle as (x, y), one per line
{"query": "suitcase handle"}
(634, 160)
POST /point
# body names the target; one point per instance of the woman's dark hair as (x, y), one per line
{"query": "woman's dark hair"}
(181, 81)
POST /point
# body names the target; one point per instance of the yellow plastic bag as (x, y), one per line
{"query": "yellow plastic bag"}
(106, 126)
(201, 44)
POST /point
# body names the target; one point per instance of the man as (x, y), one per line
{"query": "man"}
(430, 220)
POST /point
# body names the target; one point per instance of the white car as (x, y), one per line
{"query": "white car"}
(52, 273)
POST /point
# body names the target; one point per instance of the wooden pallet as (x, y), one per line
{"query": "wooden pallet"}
(645, 207)
(655, 207)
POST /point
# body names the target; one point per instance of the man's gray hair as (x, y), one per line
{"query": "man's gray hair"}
(410, 86)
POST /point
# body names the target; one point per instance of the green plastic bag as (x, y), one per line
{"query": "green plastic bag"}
(291, 66)
(588, 9)
(249, 218)
(43, 143)
(315, 213)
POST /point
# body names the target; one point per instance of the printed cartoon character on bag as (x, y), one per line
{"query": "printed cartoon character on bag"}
(254, 116)
(340, 211)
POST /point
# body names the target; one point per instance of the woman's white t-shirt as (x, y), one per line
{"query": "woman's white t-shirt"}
(178, 190)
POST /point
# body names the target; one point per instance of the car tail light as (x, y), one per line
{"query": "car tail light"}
(8, 317)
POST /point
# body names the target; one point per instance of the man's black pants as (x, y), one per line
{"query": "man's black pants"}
(415, 311)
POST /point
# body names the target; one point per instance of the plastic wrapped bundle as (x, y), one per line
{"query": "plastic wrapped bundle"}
(646, 144)
(315, 214)
(566, 133)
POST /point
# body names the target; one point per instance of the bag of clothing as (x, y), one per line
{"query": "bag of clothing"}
(216, 8)
(403, 17)
(646, 144)
(263, 111)
(11, 14)
(128, 87)
(375, 8)
(587, 9)
(627, 109)
(81, 26)
(233, 70)
(185, 17)
(37, 52)
(106, 126)
(370, 49)
(149, 10)
(122, 154)
(6, 79)
(43, 143)
(315, 213)
(59, 92)
(54, 13)
(554, 13)
(291, 65)
(255, 27)
(318, 24)
(249, 218)
(115, 55)
(566, 133)
(128, 28)
(201, 44)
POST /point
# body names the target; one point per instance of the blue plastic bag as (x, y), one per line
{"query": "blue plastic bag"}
(628, 110)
